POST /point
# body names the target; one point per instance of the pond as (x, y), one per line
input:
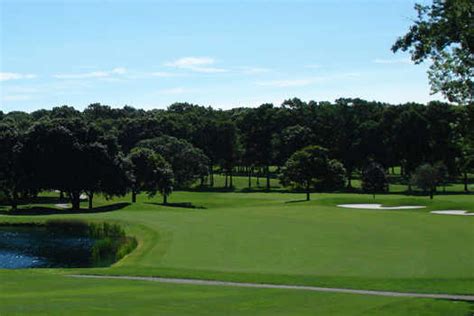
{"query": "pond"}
(30, 246)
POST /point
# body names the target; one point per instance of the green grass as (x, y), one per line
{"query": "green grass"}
(40, 293)
(273, 238)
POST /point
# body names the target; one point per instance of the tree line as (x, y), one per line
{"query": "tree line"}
(113, 151)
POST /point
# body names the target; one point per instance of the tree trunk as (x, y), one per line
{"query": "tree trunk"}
(393, 170)
(466, 189)
(165, 199)
(250, 177)
(307, 193)
(90, 196)
(61, 195)
(75, 200)
(211, 178)
(134, 197)
(231, 179)
(349, 179)
(373, 195)
(431, 193)
(268, 178)
(226, 176)
(14, 201)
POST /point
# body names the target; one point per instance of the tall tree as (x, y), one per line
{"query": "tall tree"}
(443, 32)
(12, 173)
(149, 173)
(103, 172)
(426, 177)
(187, 162)
(68, 156)
(374, 179)
(290, 139)
(309, 167)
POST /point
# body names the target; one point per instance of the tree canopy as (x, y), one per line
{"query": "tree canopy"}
(443, 32)
(311, 167)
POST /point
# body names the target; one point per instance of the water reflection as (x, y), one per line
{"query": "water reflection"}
(38, 247)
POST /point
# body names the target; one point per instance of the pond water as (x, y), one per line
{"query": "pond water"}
(39, 247)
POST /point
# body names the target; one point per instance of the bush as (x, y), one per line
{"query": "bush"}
(111, 243)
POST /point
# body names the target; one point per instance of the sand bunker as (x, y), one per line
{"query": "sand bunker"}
(62, 205)
(380, 207)
(453, 212)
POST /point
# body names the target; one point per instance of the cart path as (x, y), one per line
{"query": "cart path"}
(280, 286)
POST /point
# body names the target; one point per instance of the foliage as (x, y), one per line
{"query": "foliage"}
(444, 33)
(84, 152)
(150, 172)
(111, 242)
(187, 162)
(13, 176)
(427, 177)
(311, 167)
(374, 179)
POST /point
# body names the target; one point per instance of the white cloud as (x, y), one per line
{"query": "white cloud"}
(187, 62)
(92, 74)
(392, 61)
(196, 64)
(4, 76)
(119, 70)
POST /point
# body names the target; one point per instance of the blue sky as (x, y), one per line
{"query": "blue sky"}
(149, 54)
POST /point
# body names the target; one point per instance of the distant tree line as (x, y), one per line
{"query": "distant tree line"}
(113, 151)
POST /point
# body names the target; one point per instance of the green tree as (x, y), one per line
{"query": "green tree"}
(67, 155)
(309, 167)
(55, 159)
(149, 172)
(426, 177)
(103, 172)
(374, 179)
(290, 139)
(12, 173)
(444, 33)
(187, 162)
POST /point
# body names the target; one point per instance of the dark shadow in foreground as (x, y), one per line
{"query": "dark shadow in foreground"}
(179, 205)
(36, 210)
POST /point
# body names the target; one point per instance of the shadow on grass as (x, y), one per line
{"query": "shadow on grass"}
(178, 205)
(37, 210)
(297, 201)
(208, 189)
(37, 200)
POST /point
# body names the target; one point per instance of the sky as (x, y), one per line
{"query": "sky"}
(149, 54)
